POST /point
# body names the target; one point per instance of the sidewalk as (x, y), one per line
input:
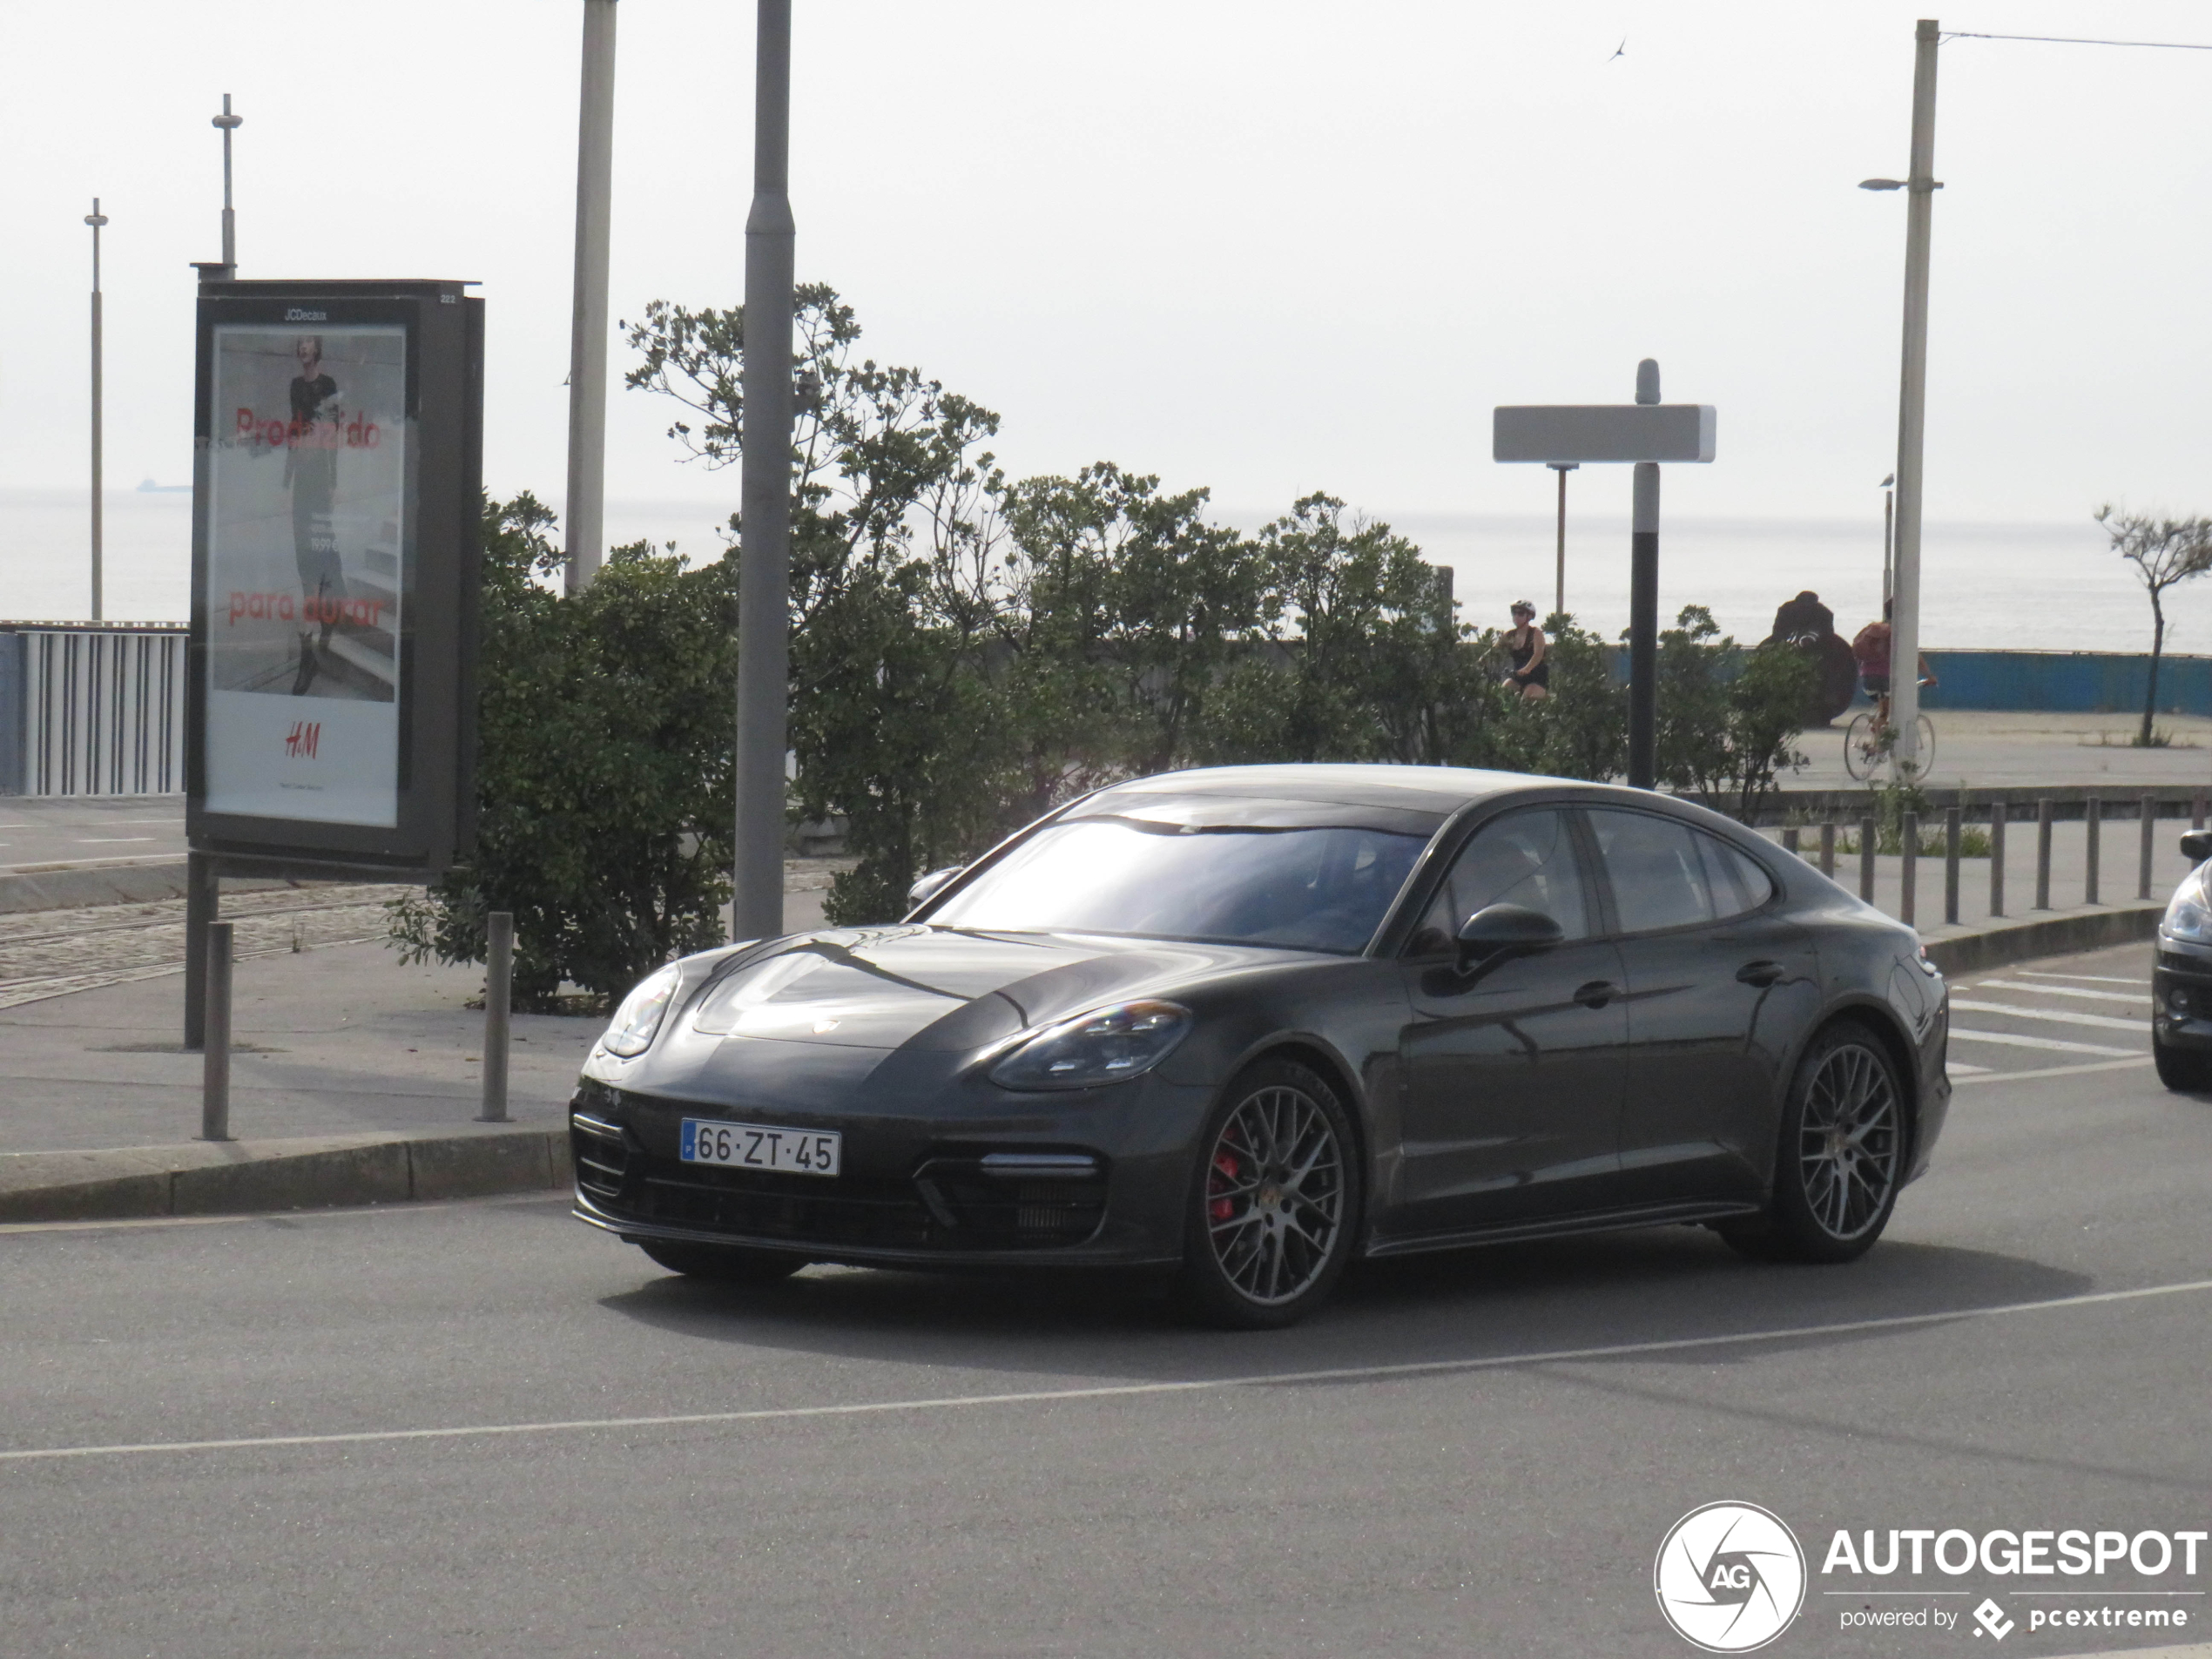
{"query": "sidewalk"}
(1998, 748)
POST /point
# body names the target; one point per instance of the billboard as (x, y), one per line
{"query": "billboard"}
(335, 557)
(307, 488)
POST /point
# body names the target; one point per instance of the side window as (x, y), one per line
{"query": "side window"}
(1736, 883)
(1657, 872)
(1525, 859)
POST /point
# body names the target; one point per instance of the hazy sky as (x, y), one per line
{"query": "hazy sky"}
(1267, 246)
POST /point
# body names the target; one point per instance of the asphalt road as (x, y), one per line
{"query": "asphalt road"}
(1472, 1455)
(89, 829)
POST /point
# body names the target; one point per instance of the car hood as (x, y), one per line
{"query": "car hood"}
(818, 1012)
(941, 988)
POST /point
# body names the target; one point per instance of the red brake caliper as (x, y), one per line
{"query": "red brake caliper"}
(1222, 1209)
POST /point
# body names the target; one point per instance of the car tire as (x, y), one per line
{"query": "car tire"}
(725, 1264)
(1274, 1202)
(1841, 1156)
(2185, 1071)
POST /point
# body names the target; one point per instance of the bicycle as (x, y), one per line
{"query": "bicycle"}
(1870, 746)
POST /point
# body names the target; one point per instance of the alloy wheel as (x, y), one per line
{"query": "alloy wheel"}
(1275, 1194)
(1849, 1142)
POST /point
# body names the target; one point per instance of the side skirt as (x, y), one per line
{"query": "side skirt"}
(1603, 1221)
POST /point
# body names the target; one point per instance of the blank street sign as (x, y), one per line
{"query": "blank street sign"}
(1600, 432)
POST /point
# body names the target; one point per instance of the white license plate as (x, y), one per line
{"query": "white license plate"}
(750, 1146)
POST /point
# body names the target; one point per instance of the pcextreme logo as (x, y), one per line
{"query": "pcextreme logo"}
(1730, 1577)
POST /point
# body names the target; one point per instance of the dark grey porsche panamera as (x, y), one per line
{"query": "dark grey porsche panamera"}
(1250, 1023)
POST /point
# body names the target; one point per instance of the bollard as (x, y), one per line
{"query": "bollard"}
(1908, 842)
(2043, 853)
(2143, 854)
(2093, 813)
(215, 1052)
(1951, 832)
(1866, 860)
(499, 995)
(1828, 851)
(1788, 837)
(1998, 813)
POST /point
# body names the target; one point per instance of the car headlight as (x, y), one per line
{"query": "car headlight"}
(1102, 1046)
(2187, 915)
(638, 1018)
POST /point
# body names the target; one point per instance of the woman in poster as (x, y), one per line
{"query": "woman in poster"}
(311, 470)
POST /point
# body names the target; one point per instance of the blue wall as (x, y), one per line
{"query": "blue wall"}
(2066, 681)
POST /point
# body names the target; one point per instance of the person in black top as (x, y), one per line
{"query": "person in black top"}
(1531, 675)
(310, 470)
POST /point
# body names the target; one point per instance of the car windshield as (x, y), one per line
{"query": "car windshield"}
(1320, 888)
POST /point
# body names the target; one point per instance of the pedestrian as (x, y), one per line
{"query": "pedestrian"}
(1531, 675)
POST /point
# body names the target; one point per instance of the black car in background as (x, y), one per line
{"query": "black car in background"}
(2180, 977)
(1251, 1022)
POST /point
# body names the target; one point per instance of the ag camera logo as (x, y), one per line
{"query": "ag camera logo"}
(1730, 1577)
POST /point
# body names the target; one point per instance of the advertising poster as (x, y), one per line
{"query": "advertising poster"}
(307, 478)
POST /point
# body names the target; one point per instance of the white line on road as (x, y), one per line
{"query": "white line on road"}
(1121, 1390)
(2136, 997)
(2090, 979)
(1960, 1069)
(2052, 1071)
(2057, 1016)
(2013, 1039)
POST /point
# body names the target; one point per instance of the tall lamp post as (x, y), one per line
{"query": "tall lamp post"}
(594, 150)
(96, 220)
(229, 124)
(1558, 590)
(763, 529)
(1919, 185)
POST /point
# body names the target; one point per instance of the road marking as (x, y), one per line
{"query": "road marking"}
(2088, 979)
(2138, 998)
(2053, 1071)
(2013, 1039)
(109, 841)
(2059, 1017)
(1118, 1391)
(1961, 1068)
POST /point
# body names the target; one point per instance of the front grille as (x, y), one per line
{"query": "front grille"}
(951, 1201)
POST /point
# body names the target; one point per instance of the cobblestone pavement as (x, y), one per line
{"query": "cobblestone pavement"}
(51, 953)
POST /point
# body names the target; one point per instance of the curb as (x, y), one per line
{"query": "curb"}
(235, 1178)
(2023, 941)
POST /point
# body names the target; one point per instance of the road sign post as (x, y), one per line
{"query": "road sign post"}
(1643, 434)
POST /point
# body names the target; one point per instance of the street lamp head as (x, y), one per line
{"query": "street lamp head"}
(226, 120)
(1881, 183)
(95, 218)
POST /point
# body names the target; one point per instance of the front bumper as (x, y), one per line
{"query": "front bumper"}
(2181, 994)
(1087, 1181)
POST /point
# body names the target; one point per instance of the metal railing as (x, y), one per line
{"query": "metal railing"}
(91, 710)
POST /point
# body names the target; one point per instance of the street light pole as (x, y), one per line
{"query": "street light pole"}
(1559, 595)
(595, 149)
(229, 124)
(1643, 606)
(1913, 398)
(96, 218)
(764, 529)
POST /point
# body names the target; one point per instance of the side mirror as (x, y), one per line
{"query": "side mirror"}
(1498, 931)
(2196, 844)
(931, 885)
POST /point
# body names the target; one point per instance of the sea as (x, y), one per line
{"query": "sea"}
(1985, 586)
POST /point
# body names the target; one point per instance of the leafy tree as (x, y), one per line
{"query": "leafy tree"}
(603, 772)
(2165, 552)
(1728, 720)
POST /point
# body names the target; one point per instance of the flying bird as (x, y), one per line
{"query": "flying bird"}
(1621, 51)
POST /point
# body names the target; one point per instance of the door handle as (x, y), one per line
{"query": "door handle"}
(1759, 974)
(1596, 994)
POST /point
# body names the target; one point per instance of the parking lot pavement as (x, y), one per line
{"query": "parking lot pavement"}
(482, 1428)
(2064, 1015)
(80, 829)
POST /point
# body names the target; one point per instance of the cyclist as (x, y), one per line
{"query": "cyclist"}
(1871, 647)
